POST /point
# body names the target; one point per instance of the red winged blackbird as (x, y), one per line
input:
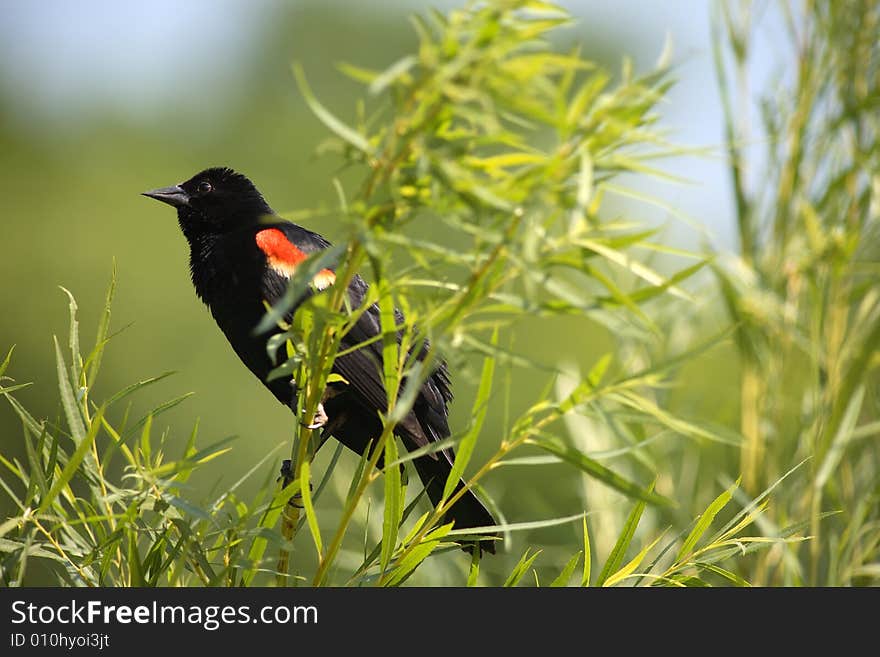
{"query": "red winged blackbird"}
(242, 253)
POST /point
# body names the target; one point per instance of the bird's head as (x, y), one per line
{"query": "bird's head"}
(217, 200)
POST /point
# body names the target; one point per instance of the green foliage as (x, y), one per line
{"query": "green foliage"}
(113, 511)
(511, 147)
(803, 292)
(508, 144)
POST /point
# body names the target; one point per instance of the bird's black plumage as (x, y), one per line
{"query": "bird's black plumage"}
(234, 237)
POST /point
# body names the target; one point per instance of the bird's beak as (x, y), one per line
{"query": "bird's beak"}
(174, 195)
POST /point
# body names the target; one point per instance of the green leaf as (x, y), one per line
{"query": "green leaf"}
(135, 569)
(521, 568)
(134, 387)
(473, 572)
(357, 73)
(630, 568)
(311, 518)
(619, 550)
(145, 442)
(393, 505)
(336, 126)
(387, 77)
(585, 579)
(161, 408)
(417, 555)
(6, 360)
(841, 440)
(390, 345)
(565, 575)
(634, 266)
(514, 526)
(478, 412)
(75, 356)
(705, 520)
(731, 577)
(598, 471)
(94, 360)
(73, 462)
(68, 400)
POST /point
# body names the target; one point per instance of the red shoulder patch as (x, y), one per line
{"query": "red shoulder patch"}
(280, 251)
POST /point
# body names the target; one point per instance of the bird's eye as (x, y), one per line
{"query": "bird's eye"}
(205, 187)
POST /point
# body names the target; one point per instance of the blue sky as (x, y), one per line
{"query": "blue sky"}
(60, 60)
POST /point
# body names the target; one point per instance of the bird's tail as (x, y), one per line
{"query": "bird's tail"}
(467, 512)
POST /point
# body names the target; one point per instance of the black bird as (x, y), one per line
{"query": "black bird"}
(242, 254)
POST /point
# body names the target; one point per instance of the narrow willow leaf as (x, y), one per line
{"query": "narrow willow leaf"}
(630, 568)
(18, 386)
(6, 361)
(357, 73)
(514, 526)
(158, 410)
(73, 342)
(94, 359)
(390, 346)
(68, 399)
(705, 520)
(135, 568)
(417, 555)
(599, 471)
(408, 395)
(38, 483)
(359, 473)
(612, 564)
(731, 577)
(565, 575)
(336, 126)
(194, 458)
(391, 74)
(585, 579)
(310, 510)
(473, 572)
(145, 442)
(478, 412)
(584, 192)
(521, 568)
(73, 462)
(634, 266)
(134, 387)
(8, 525)
(393, 506)
(842, 438)
(431, 448)
(598, 371)
(755, 503)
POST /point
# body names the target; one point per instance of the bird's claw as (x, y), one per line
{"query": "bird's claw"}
(320, 418)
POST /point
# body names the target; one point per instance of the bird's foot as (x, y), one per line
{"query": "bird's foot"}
(320, 418)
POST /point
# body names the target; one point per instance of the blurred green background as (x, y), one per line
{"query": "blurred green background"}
(100, 101)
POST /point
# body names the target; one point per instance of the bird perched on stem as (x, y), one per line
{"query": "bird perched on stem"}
(242, 255)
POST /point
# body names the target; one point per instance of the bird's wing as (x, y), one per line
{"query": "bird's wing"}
(362, 368)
